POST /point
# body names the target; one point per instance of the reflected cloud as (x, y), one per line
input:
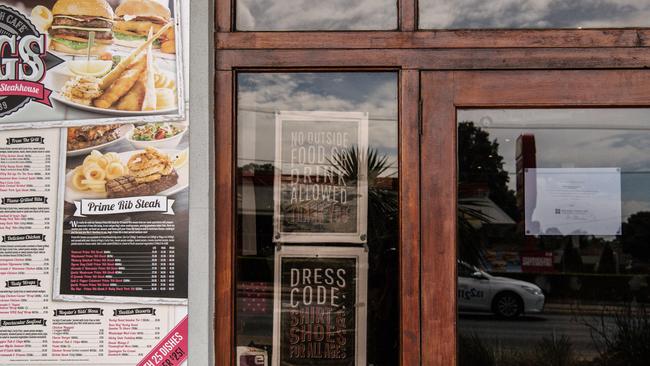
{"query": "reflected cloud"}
(460, 14)
(316, 15)
(635, 140)
(260, 95)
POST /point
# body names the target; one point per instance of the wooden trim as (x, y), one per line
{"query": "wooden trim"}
(408, 15)
(225, 238)
(224, 15)
(445, 92)
(577, 88)
(438, 213)
(441, 59)
(408, 38)
(409, 185)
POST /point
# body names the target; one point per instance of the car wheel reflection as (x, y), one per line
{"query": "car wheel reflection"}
(508, 305)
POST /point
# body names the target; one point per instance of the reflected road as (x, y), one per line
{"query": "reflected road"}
(525, 331)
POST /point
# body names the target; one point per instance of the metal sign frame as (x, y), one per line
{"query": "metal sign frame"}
(360, 254)
(359, 236)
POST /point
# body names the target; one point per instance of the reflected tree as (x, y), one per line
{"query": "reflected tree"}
(470, 241)
(383, 224)
(380, 200)
(607, 261)
(636, 236)
(571, 259)
(479, 162)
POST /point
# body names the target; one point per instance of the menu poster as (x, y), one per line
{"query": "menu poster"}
(125, 215)
(89, 61)
(34, 328)
(28, 190)
(320, 296)
(573, 201)
(321, 187)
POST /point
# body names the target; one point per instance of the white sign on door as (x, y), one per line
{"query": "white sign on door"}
(573, 201)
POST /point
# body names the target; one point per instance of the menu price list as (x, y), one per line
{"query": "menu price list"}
(74, 338)
(26, 167)
(127, 333)
(26, 183)
(28, 163)
(124, 270)
(26, 194)
(20, 343)
(134, 255)
(102, 334)
(27, 301)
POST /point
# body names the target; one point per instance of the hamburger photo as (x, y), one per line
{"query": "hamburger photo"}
(89, 136)
(73, 20)
(133, 20)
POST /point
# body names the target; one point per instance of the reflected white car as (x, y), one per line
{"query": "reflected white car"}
(505, 297)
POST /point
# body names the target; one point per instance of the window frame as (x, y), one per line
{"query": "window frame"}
(443, 94)
(226, 18)
(409, 229)
(420, 56)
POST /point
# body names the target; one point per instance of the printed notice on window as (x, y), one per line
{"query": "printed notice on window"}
(320, 312)
(573, 201)
(320, 177)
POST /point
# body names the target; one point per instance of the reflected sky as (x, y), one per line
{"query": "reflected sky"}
(463, 14)
(261, 95)
(578, 138)
(279, 15)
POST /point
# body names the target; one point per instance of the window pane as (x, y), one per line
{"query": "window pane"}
(554, 210)
(465, 14)
(309, 234)
(287, 15)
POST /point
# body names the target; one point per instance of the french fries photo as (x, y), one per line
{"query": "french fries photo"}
(134, 84)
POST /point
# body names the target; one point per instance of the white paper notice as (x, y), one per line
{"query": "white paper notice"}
(573, 201)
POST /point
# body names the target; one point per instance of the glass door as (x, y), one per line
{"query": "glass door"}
(317, 229)
(317, 252)
(535, 244)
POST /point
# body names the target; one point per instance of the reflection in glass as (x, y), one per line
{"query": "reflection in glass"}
(303, 101)
(286, 15)
(553, 237)
(466, 14)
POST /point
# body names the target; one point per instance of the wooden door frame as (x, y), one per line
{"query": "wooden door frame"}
(443, 94)
(427, 328)
(409, 211)
(427, 257)
(427, 321)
